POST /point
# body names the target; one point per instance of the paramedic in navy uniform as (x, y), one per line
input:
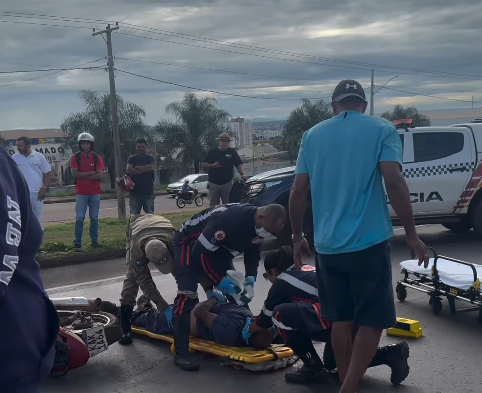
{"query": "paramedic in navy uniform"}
(29, 324)
(204, 248)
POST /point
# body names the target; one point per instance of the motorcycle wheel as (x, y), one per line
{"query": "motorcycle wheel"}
(199, 200)
(111, 324)
(180, 203)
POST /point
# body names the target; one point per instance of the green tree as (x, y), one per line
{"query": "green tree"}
(96, 119)
(198, 121)
(300, 120)
(399, 113)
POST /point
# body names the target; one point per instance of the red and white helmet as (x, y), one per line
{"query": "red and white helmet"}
(126, 183)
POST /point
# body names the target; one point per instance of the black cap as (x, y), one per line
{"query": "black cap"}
(348, 88)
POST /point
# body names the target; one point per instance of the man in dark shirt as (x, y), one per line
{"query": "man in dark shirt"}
(140, 167)
(220, 162)
(29, 323)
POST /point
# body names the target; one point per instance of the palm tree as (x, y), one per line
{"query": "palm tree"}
(300, 120)
(399, 113)
(198, 121)
(97, 120)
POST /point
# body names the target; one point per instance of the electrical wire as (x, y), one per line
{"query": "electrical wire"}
(428, 95)
(44, 24)
(214, 91)
(217, 70)
(48, 69)
(52, 73)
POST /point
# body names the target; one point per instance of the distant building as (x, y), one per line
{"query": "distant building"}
(47, 142)
(242, 130)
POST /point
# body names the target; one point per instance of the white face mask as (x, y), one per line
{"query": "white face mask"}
(261, 232)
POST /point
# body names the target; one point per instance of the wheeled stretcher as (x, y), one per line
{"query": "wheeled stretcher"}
(444, 277)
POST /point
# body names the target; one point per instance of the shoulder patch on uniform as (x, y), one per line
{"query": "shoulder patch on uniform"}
(219, 235)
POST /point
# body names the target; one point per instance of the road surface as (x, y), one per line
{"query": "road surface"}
(445, 360)
(63, 212)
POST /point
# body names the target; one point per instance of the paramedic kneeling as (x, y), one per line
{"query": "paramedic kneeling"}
(204, 248)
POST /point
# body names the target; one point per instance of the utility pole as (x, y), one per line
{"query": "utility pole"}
(372, 94)
(121, 202)
(472, 102)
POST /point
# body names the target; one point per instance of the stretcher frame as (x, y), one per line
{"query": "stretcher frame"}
(436, 289)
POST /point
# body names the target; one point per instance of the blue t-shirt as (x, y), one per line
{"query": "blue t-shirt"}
(341, 157)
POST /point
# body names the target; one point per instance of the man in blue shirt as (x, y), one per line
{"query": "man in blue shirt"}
(345, 160)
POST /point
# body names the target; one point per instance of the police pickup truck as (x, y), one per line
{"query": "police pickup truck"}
(442, 167)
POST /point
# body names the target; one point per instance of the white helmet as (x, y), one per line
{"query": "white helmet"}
(85, 136)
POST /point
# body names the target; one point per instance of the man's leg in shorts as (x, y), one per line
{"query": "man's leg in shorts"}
(298, 325)
(214, 194)
(225, 192)
(356, 288)
(130, 289)
(184, 303)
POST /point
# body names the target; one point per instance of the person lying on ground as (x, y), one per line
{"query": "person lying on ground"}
(293, 307)
(214, 320)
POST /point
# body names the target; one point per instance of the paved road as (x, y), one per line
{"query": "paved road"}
(445, 360)
(62, 212)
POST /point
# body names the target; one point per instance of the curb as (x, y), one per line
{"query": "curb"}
(53, 199)
(77, 259)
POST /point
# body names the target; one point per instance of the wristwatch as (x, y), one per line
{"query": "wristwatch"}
(297, 238)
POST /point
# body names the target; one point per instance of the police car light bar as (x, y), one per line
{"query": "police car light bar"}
(403, 123)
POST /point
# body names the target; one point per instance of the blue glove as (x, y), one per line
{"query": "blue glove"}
(275, 331)
(249, 281)
(246, 332)
(168, 313)
(218, 295)
(226, 287)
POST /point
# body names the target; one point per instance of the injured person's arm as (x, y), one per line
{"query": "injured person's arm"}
(202, 312)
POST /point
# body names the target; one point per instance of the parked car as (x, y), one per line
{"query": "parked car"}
(198, 181)
(442, 167)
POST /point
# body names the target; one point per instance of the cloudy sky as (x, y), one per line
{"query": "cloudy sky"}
(279, 50)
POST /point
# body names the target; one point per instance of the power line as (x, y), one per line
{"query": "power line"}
(428, 95)
(135, 27)
(44, 24)
(217, 70)
(49, 69)
(52, 73)
(214, 91)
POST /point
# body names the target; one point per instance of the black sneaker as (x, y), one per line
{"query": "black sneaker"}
(95, 244)
(126, 339)
(398, 362)
(77, 246)
(306, 375)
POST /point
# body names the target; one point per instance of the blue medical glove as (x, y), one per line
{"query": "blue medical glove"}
(246, 332)
(250, 281)
(168, 313)
(226, 287)
(218, 295)
(275, 331)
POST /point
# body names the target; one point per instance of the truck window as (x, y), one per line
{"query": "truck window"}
(429, 146)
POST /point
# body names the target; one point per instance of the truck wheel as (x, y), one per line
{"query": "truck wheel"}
(477, 218)
(458, 227)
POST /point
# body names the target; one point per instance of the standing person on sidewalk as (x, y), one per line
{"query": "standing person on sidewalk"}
(345, 160)
(140, 167)
(87, 170)
(33, 166)
(29, 323)
(219, 162)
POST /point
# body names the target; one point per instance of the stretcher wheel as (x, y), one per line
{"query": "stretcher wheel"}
(401, 292)
(436, 304)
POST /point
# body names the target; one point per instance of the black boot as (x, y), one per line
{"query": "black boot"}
(313, 367)
(182, 330)
(396, 357)
(125, 316)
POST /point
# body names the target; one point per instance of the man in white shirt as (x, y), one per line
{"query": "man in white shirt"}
(33, 166)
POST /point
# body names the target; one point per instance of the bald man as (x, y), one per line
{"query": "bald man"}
(204, 248)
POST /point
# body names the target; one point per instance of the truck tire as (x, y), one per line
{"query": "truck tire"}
(477, 218)
(458, 227)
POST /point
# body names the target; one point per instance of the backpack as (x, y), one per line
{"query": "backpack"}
(78, 158)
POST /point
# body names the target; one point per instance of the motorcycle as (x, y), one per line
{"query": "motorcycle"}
(182, 199)
(85, 331)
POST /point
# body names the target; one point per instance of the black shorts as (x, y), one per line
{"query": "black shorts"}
(357, 287)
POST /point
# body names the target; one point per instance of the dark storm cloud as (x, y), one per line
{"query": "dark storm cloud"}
(433, 35)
